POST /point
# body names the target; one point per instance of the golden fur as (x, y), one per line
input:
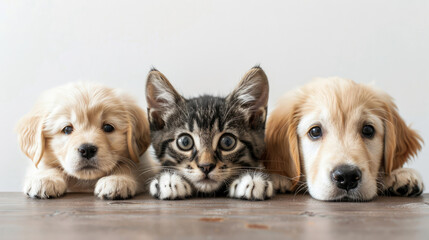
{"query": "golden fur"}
(86, 107)
(341, 107)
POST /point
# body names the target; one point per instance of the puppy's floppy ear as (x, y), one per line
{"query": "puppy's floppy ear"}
(161, 97)
(138, 134)
(281, 139)
(251, 95)
(401, 142)
(30, 136)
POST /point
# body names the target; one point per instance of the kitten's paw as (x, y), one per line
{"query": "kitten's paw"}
(404, 182)
(281, 184)
(115, 187)
(252, 186)
(170, 186)
(45, 187)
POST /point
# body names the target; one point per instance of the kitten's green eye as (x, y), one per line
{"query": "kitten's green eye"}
(227, 142)
(185, 142)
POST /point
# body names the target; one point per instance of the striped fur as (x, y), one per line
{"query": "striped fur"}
(206, 119)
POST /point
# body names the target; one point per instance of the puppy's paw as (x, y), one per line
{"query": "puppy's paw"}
(404, 182)
(170, 186)
(115, 187)
(45, 187)
(252, 186)
(281, 184)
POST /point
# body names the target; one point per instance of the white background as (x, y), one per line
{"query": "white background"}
(205, 47)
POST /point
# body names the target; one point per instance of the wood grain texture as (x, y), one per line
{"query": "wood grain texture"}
(82, 216)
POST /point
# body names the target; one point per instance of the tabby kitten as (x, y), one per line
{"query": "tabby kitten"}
(208, 144)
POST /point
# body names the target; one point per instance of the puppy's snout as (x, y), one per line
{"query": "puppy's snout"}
(87, 150)
(346, 176)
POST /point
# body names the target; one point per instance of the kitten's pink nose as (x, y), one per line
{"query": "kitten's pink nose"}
(207, 168)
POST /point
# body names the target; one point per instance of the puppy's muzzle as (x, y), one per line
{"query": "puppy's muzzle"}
(87, 150)
(346, 177)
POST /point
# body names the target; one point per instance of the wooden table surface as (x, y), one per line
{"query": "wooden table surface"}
(82, 216)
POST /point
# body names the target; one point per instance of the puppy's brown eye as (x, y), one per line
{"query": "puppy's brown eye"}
(108, 128)
(227, 142)
(368, 131)
(315, 132)
(68, 130)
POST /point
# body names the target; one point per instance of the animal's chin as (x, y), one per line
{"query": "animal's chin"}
(207, 185)
(344, 196)
(349, 198)
(86, 173)
(88, 168)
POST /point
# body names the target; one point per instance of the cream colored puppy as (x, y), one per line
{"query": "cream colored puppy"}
(342, 140)
(85, 137)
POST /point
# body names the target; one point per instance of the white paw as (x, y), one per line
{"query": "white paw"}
(405, 182)
(252, 186)
(281, 183)
(115, 187)
(170, 186)
(45, 187)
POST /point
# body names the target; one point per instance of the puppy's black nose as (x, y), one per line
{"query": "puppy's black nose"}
(87, 150)
(206, 168)
(346, 176)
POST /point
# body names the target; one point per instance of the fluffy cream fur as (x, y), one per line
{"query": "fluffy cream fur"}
(114, 172)
(341, 108)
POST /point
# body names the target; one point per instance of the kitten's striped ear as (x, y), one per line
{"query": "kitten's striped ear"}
(251, 94)
(161, 98)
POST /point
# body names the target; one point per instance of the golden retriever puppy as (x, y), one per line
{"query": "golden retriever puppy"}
(342, 140)
(85, 137)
